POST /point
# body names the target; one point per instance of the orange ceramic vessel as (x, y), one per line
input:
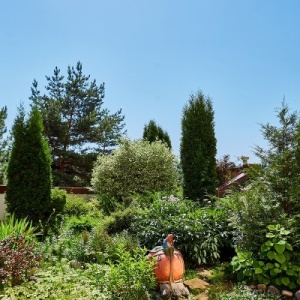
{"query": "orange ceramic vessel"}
(162, 267)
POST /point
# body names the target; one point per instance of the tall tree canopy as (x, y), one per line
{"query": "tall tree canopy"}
(3, 143)
(281, 160)
(77, 127)
(153, 132)
(29, 178)
(198, 148)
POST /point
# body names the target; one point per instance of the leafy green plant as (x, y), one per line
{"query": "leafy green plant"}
(94, 246)
(58, 200)
(132, 276)
(121, 220)
(17, 260)
(274, 263)
(79, 206)
(250, 213)
(105, 245)
(200, 233)
(12, 226)
(69, 245)
(79, 224)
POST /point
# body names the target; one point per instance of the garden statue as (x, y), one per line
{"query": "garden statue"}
(169, 270)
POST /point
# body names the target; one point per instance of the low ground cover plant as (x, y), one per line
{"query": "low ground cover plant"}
(243, 292)
(130, 277)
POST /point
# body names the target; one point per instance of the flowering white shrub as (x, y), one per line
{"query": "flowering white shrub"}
(135, 167)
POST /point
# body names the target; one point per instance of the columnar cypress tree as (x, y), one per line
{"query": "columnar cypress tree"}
(29, 170)
(198, 148)
(153, 132)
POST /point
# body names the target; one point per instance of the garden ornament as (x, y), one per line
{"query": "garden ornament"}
(169, 270)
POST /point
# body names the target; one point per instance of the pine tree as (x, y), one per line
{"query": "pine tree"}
(153, 132)
(29, 170)
(198, 148)
(76, 125)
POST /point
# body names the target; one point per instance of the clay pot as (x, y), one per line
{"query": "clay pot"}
(162, 267)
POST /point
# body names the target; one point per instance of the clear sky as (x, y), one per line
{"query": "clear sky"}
(244, 54)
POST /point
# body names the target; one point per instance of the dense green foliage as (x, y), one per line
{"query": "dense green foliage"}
(250, 212)
(198, 148)
(3, 144)
(78, 206)
(153, 132)
(281, 167)
(282, 160)
(122, 219)
(132, 276)
(266, 251)
(200, 234)
(77, 127)
(96, 251)
(273, 265)
(91, 281)
(29, 173)
(58, 200)
(135, 167)
(12, 226)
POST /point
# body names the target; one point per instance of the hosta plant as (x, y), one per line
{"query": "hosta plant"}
(273, 264)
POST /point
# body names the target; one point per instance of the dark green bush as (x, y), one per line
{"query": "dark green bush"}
(200, 233)
(250, 212)
(76, 206)
(58, 200)
(121, 220)
(80, 224)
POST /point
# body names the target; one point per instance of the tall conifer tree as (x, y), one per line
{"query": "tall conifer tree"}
(198, 148)
(29, 170)
(153, 132)
(77, 127)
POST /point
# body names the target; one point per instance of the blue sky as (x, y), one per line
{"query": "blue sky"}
(152, 55)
